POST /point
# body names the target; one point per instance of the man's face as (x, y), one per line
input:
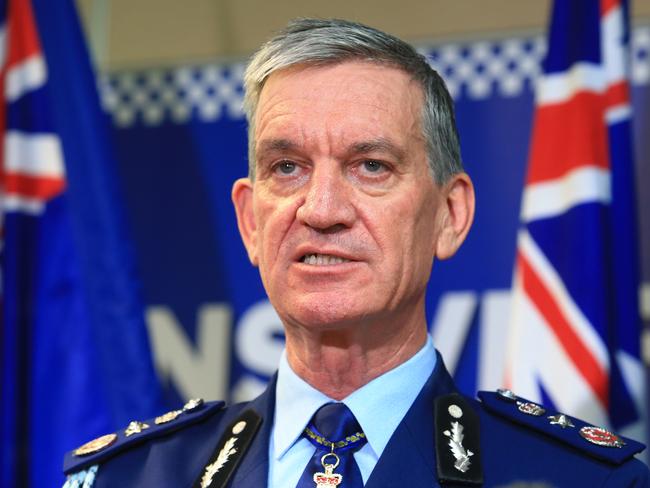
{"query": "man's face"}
(344, 218)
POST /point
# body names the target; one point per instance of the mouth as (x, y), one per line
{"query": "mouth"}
(323, 260)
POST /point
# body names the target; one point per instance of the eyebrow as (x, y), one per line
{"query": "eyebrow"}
(276, 145)
(358, 148)
(377, 145)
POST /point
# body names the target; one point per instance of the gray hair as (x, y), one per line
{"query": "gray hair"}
(315, 42)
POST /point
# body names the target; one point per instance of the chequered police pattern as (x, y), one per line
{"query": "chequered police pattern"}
(152, 97)
(474, 70)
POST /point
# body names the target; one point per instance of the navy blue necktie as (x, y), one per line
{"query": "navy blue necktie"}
(334, 426)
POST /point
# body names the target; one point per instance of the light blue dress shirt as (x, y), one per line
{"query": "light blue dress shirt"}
(378, 406)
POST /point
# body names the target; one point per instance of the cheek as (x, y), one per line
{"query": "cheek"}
(394, 228)
(274, 219)
(425, 249)
(415, 232)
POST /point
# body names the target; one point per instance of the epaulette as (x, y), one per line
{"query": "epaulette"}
(107, 446)
(458, 446)
(594, 441)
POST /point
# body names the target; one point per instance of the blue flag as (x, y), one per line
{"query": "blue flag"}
(574, 341)
(75, 356)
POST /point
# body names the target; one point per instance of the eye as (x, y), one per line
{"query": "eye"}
(286, 167)
(373, 166)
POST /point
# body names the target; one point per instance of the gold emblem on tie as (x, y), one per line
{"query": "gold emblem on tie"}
(328, 479)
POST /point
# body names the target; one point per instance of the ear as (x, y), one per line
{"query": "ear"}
(242, 199)
(458, 215)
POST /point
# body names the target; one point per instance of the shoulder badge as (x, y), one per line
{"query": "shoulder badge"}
(95, 445)
(106, 446)
(230, 450)
(458, 456)
(598, 442)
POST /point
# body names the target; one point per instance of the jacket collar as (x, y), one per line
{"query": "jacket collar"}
(413, 439)
(254, 468)
(409, 457)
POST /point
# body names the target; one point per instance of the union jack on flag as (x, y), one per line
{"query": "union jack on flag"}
(574, 337)
(32, 163)
(31, 176)
(69, 291)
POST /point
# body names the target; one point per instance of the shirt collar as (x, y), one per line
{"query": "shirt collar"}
(296, 401)
(379, 406)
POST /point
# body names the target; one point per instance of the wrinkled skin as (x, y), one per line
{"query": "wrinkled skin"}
(344, 219)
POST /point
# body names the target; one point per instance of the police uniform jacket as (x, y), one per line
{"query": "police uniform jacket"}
(445, 440)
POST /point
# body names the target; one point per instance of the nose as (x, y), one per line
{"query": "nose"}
(327, 205)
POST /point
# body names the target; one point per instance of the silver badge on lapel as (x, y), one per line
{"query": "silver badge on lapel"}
(223, 456)
(457, 441)
(213, 468)
(455, 411)
(461, 454)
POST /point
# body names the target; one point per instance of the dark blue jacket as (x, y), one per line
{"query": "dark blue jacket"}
(513, 449)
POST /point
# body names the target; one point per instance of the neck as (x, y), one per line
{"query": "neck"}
(341, 360)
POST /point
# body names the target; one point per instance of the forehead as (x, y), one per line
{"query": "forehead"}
(347, 100)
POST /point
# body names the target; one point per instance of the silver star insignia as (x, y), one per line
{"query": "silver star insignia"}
(561, 420)
(135, 427)
(193, 404)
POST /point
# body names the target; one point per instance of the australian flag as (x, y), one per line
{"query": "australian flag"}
(574, 341)
(74, 355)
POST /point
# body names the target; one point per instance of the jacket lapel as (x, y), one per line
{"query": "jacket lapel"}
(409, 458)
(254, 468)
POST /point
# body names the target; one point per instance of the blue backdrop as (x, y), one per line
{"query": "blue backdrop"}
(181, 142)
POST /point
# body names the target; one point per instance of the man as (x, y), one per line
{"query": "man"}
(355, 185)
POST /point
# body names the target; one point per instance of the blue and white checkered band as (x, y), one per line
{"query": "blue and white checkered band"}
(82, 479)
(209, 92)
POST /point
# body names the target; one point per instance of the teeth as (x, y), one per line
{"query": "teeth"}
(323, 259)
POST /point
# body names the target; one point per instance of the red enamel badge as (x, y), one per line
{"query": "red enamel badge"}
(601, 437)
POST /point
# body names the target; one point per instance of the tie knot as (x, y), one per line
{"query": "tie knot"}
(334, 428)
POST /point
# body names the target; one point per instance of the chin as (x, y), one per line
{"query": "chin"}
(319, 312)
